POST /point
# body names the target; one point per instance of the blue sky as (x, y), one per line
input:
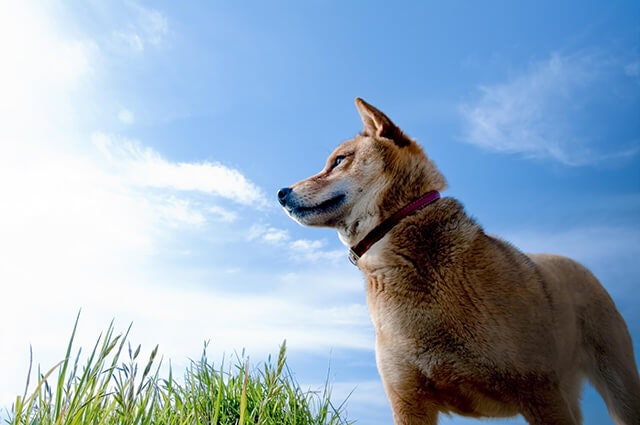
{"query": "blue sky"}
(142, 145)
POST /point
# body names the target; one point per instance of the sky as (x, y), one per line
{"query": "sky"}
(142, 145)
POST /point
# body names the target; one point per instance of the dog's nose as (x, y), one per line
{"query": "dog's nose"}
(282, 195)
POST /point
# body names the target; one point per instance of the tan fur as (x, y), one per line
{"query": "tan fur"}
(465, 322)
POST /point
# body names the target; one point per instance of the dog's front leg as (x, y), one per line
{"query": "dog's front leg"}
(411, 412)
(403, 386)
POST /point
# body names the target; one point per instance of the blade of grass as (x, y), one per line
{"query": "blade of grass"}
(243, 396)
(63, 371)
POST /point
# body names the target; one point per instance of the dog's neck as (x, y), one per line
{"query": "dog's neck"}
(359, 245)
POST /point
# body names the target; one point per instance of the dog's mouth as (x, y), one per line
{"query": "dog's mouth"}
(330, 204)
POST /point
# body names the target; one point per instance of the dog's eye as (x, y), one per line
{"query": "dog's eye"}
(337, 161)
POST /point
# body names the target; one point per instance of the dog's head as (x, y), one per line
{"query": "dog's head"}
(365, 179)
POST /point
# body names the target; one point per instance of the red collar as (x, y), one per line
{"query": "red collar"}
(357, 251)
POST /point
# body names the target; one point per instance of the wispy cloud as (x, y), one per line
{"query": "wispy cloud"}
(148, 27)
(126, 116)
(302, 249)
(223, 214)
(147, 168)
(553, 109)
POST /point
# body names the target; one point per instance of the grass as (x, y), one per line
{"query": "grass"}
(111, 388)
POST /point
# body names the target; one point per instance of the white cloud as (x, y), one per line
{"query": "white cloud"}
(543, 112)
(306, 245)
(223, 214)
(153, 23)
(300, 249)
(272, 235)
(130, 39)
(147, 168)
(313, 250)
(149, 27)
(126, 116)
(179, 211)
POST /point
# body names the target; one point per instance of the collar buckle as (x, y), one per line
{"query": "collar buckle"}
(353, 257)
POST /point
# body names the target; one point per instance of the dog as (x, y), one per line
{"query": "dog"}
(465, 323)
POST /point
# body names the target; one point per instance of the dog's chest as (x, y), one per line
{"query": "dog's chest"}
(397, 316)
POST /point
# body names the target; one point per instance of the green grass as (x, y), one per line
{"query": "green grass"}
(111, 388)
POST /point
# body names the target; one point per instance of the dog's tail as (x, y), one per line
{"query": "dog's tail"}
(612, 367)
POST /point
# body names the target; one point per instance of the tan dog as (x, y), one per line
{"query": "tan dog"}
(464, 322)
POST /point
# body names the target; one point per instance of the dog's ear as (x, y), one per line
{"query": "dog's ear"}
(378, 124)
